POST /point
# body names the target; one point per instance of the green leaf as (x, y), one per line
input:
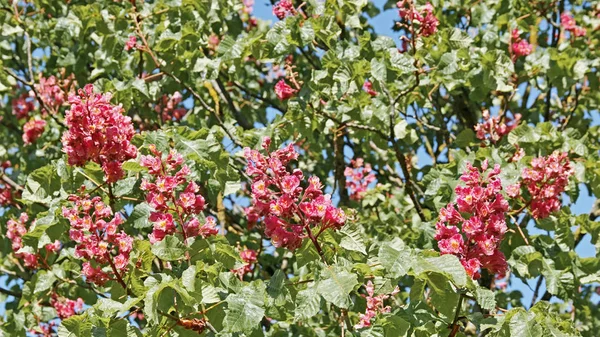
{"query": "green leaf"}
(395, 257)
(485, 298)
(353, 239)
(169, 249)
(335, 286)
(245, 309)
(308, 303)
(524, 325)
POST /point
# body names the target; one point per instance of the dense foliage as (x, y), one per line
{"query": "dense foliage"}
(182, 167)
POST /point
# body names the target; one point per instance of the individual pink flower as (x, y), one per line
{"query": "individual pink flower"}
(287, 209)
(131, 43)
(284, 91)
(494, 128)
(476, 244)
(358, 178)
(283, 8)
(375, 305)
(368, 88)
(99, 132)
(32, 130)
(249, 256)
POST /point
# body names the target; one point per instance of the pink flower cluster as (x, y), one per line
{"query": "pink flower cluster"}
(51, 93)
(14, 232)
(545, 180)
(32, 130)
(568, 23)
(476, 242)
(23, 105)
(99, 132)
(374, 305)
(65, 307)
(6, 192)
(358, 178)
(284, 91)
(287, 208)
(284, 8)
(169, 196)
(519, 47)
(368, 88)
(167, 107)
(494, 128)
(249, 257)
(427, 21)
(96, 232)
(131, 43)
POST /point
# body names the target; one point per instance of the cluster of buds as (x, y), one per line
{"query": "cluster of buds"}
(99, 132)
(51, 93)
(374, 305)
(65, 307)
(6, 192)
(249, 257)
(545, 180)
(358, 178)
(32, 130)
(568, 23)
(96, 232)
(368, 88)
(14, 232)
(168, 107)
(288, 209)
(476, 242)
(518, 46)
(284, 8)
(169, 195)
(494, 128)
(284, 91)
(424, 17)
(23, 105)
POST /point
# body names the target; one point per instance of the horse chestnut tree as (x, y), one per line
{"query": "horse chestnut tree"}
(287, 168)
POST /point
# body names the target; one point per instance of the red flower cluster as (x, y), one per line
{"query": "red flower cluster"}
(6, 197)
(287, 208)
(519, 47)
(485, 227)
(51, 93)
(131, 43)
(65, 307)
(98, 132)
(32, 130)
(168, 196)
(545, 180)
(284, 8)
(368, 88)
(425, 18)
(249, 257)
(374, 305)
(14, 232)
(97, 239)
(168, 109)
(284, 91)
(23, 105)
(494, 128)
(569, 24)
(358, 178)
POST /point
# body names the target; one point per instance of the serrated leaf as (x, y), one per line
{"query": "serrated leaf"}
(352, 239)
(335, 286)
(169, 249)
(245, 309)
